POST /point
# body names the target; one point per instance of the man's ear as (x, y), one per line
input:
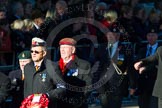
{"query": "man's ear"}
(73, 49)
(44, 53)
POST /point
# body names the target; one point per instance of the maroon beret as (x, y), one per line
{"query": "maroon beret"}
(67, 41)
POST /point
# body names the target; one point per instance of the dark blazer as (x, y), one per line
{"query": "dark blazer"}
(156, 59)
(45, 80)
(147, 79)
(15, 74)
(76, 84)
(5, 85)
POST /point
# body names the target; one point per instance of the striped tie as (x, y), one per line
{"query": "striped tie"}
(22, 76)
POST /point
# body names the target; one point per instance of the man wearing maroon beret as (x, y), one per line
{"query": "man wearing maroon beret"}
(76, 74)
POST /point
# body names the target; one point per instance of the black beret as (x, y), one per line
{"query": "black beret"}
(153, 30)
(24, 55)
(116, 28)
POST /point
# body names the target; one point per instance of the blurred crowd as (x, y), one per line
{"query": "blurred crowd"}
(20, 20)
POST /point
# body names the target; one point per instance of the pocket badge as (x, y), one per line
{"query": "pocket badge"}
(120, 59)
(73, 72)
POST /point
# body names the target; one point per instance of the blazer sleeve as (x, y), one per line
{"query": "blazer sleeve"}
(152, 59)
(57, 79)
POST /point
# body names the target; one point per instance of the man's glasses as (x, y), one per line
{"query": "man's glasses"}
(36, 52)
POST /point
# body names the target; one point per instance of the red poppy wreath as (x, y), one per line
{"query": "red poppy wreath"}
(35, 101)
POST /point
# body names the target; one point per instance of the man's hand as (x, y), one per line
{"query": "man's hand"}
(141, 69)
(138, 67)
(132, 91)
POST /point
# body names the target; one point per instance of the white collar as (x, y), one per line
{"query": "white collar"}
(153, 46)
(39, 63)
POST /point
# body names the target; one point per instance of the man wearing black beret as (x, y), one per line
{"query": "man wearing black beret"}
(17, 79)
(113, 69)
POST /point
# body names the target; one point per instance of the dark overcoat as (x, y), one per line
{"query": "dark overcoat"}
(17, 87)
(156, 59)
(78, 78)
(45, 80)
(5, 85)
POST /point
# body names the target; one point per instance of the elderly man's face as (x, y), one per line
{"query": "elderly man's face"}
(23, 62)
(60, 9)
(112, 37)
(2, 15)
(66, 51)
(152, 38)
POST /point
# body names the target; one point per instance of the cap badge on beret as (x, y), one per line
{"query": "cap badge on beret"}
(23, 55)
(122, 29)
(114, 30)
(34, 43)
(38, 42)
